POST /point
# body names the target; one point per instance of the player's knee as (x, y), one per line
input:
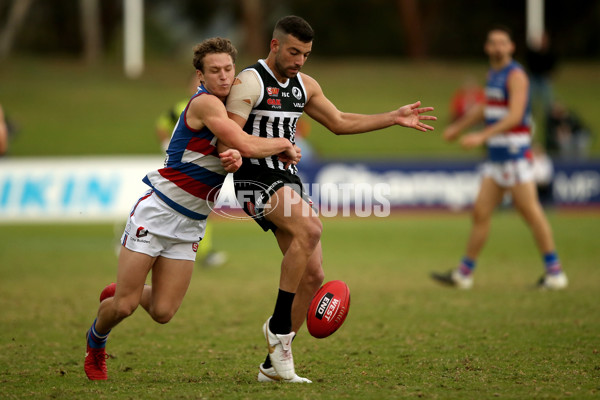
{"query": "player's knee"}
(314, 278)
(162, 315)
(311, 234)
(124, 309)
(480, 216)
(315, 230)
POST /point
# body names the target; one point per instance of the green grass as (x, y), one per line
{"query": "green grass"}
(64, 108)
(404, 337)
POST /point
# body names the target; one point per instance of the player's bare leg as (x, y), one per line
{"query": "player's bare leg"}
(170, 281)
(132, 271)
(526, 201)
(131, 275)
(310, 283)
(295, 219)
(490, 195)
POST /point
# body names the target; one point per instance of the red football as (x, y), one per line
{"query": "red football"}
(108, 291)
(328, 309)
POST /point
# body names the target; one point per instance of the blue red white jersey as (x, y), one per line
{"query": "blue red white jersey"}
(515, 143)
(190, 180)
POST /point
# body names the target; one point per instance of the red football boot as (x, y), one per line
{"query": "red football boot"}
(95, 364)
(108, 291)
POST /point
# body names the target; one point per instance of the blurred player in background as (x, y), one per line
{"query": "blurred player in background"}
(166, 224)
(208, 256)
(3, 133)
(267, 99)
(507, 134)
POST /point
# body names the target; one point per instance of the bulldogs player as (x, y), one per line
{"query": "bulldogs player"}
(166, 224)
(507, 134)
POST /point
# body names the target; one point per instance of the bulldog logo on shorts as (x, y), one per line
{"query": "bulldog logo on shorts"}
(141, 232)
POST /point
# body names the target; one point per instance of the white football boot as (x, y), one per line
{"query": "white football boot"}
(280, 352)
(270, 375)
(454, 278)
(553, 281)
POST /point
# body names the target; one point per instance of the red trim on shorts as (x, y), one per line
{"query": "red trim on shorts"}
(138, 203)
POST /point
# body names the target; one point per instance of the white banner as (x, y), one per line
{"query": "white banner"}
(72, 189)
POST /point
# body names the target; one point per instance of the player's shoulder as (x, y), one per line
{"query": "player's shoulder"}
(517, 72)
(204, 102)
(248, 73)
(311, 85)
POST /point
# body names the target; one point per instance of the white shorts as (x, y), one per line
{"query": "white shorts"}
(155, 229)
(509, 173)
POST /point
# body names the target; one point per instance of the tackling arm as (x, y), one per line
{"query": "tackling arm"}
(209, 111)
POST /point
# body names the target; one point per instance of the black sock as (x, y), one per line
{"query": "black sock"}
(267, 364)
(281, 321)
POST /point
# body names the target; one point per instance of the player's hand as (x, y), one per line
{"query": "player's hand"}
(410, 116)
(231, 160)
(290, 156)
(472, 140)
(451, 133)
(298, 153)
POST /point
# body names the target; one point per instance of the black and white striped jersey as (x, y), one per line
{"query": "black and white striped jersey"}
(276, 112)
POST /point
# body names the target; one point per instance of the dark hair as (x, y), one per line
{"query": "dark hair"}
(212, 46)
(502, 28)
(295, 26)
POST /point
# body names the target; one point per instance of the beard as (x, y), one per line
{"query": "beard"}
(283, 71)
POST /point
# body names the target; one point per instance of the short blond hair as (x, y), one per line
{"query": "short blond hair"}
(212, 46)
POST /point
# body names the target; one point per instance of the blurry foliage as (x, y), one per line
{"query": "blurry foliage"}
(343, 27)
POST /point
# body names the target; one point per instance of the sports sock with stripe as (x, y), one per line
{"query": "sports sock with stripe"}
(552, 263)
(466, 266)
(96, 340)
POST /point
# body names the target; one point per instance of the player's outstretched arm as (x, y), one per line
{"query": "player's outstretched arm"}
(209, 111)
(322, 110)
(472, 117)
(518, 86)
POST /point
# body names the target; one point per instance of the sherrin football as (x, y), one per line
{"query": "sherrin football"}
(328, 309)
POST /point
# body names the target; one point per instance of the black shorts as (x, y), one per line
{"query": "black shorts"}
(254, 186)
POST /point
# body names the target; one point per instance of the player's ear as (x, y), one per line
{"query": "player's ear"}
(274, 45)
(200, 75)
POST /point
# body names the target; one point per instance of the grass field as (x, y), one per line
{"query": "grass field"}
(404, 337)
(63, 108)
